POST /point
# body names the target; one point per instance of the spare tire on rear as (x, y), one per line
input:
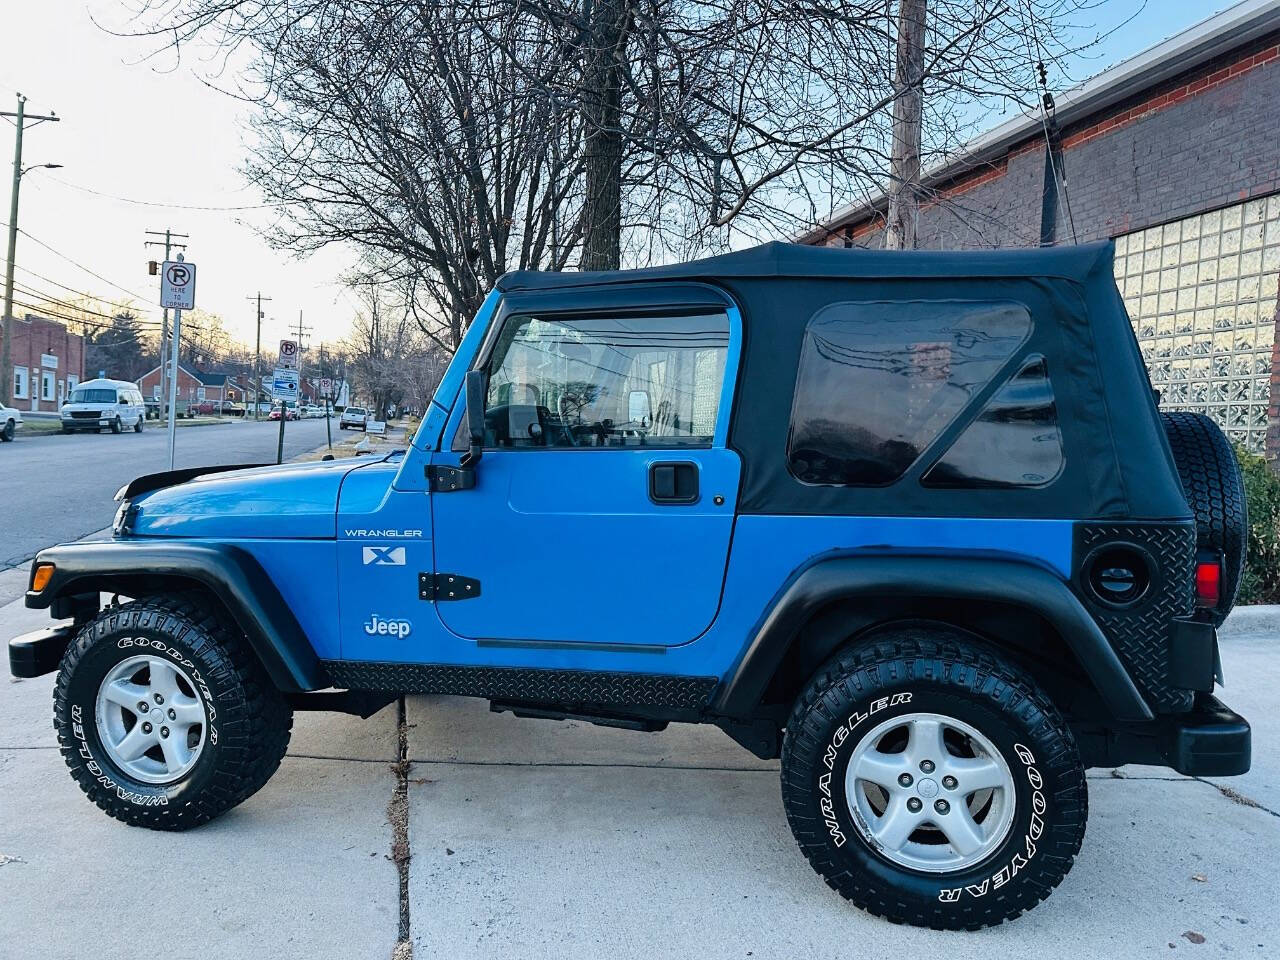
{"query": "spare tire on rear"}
(1211, 481)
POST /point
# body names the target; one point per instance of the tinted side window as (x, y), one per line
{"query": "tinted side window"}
(606, 381)
(879, 381)
(1015, 442)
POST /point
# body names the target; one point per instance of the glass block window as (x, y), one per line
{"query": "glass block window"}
(1201, 293)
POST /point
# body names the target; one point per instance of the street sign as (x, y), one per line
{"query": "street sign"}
(288, 355)
(284, 384)
(178, 285)
(326, 387)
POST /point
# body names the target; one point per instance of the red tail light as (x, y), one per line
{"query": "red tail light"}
(1208, 583)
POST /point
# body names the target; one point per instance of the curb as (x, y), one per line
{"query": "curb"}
(1255, 619)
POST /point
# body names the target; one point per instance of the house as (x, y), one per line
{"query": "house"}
(48, 363)
(193, 385)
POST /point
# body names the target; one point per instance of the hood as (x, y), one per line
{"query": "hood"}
(296, 501)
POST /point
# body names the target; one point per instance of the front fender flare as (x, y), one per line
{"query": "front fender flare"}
(229, 572)
(988, 579)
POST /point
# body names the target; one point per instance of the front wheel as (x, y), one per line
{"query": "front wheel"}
(931, 783)
(116, 425)
(164, 716)
(6, 433)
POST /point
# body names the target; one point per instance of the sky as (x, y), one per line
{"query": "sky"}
(146, 146)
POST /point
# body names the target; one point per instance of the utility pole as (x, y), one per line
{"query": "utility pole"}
(301, 331)
(20, 119)
(904, 163)
(168, 245)
(257, 354)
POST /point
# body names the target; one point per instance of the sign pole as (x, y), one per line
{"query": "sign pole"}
(284, 414)
(177, 293)
(328, 427)
(173, 385)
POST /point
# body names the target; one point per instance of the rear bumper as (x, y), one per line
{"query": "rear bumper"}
(1211, 740)
(39, 652)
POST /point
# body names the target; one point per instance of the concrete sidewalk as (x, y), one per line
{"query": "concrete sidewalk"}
(533, 838)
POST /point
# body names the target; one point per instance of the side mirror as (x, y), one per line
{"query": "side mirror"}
(477, 386)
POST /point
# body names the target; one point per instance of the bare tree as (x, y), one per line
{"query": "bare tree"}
(904, 165)
(454, 139)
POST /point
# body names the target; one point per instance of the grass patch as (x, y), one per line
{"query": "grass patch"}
(38, 428)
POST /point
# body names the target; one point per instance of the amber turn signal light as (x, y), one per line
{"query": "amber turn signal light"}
(42, 576)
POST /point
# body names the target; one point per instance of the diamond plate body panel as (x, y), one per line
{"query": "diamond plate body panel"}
(1140, 633)
(527, 684)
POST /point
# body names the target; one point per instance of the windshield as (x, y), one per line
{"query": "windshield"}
(98, 395)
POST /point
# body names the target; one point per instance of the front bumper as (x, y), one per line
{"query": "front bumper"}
(39, 652)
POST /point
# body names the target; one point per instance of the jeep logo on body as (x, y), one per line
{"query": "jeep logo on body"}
(380, 627)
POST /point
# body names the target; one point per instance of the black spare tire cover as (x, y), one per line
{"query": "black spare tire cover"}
(1214, 490)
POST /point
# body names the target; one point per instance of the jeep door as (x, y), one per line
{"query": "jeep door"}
(604, 500)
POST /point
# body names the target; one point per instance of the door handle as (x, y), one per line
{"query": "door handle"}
(673, 482)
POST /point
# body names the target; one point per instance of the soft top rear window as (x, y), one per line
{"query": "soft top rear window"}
(879, 381)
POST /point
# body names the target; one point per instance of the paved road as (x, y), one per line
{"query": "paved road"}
(56, 488)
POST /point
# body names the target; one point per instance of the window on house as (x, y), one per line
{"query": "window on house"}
(20, 382)
(878, 382)
(46, 385)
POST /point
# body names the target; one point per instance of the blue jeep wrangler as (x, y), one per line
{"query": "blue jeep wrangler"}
(912, 523)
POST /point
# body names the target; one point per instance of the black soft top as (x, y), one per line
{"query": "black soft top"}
(800, 261)
(1117, 460)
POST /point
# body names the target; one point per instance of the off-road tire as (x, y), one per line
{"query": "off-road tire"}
(6, 433)
(117, 426)
(1211, 480)
(913, 670)
(248, 731)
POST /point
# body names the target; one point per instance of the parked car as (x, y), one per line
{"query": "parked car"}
(291, 413)
(226, 408)
(115, 405)
(912, 523)
(353, 417)
(10, 421)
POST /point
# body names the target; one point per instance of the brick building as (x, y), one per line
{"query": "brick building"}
(48, 363)
(1175, 155)
(191, 387)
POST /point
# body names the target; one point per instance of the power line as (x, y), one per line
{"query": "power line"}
(81, 266)
(81, 293)
(32, 291)
(162, 205)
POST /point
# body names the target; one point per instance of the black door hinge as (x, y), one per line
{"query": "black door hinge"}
(440, 587)
(443, 479)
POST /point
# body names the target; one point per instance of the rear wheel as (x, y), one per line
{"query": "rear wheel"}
(165, 717)
(137, 427)
(1211, 481)
(931, 783)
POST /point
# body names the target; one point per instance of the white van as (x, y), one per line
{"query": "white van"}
(94, 404)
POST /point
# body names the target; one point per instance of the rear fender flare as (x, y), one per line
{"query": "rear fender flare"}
(229, 572)
(972, 578)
